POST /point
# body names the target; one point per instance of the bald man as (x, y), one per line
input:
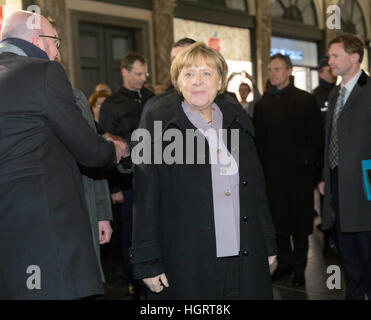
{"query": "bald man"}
(46, 246)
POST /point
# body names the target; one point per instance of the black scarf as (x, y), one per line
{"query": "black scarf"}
(30, 49)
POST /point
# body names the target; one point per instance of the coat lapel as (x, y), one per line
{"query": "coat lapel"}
(230, 114)
(356, 93)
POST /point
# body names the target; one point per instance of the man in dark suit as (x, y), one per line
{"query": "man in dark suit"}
(46, 246)
(348, 142)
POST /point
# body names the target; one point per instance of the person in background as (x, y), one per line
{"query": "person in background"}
(244, 91)
(202, 231)
(159, 89)
(177, 47)
(348, 143)
(150, 87)
(96, 191)
(120, 115)
(96, 100)
(327, 82)
(103, 87)
(289, 140)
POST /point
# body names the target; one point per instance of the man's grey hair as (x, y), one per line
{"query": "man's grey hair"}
(16, 26)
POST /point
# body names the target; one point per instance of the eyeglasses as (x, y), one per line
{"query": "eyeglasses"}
(57, 41)
(139, 74)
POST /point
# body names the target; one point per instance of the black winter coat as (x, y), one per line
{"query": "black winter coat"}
(322, 93)
(173, 229)
(289, 140)
(43, 215)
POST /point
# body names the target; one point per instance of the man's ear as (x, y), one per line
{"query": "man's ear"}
(124, 72)
(355, 57)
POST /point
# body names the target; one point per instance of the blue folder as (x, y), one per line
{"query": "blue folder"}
(366, 170)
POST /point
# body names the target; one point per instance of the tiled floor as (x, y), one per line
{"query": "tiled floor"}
(315, 288)
(316, 276)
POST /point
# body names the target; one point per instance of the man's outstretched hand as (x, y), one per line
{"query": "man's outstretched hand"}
(122, 148)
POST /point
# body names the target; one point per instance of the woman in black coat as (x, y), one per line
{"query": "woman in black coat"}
(202, 228)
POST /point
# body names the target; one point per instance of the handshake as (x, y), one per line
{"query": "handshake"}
(122, 148)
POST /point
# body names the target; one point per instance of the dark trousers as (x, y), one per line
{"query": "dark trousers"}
(228, 278)
(355, 252)
(296, 258)
(329, 235)
(127, 231)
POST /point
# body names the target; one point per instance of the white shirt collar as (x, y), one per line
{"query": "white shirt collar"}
(352, 82)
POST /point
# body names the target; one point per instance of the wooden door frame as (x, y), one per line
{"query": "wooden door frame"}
(141, 36)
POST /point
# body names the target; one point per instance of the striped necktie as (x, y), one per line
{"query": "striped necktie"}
(334, 146)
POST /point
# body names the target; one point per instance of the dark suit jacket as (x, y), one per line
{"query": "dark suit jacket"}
(43, 216)
(354, 137)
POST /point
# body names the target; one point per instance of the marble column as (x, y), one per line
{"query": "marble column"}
(263, 34)
(163, 26)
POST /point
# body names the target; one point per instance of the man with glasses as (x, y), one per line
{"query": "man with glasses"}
(120, 114)
(46, 245)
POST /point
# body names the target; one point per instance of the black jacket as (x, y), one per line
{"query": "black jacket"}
(120, 115)
(43, 215)
(289, 140)
(321, 93)
(173, 229)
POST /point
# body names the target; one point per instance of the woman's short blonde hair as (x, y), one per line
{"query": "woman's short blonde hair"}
(191, 55)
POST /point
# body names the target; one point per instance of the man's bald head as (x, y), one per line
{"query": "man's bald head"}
(23, 25)
(19, 25)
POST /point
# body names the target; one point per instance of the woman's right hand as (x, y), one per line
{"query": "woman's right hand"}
(156, 284)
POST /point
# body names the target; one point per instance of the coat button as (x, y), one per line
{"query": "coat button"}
(244, 182)
(227, 193)
(223, 171)
(245, 218)
(245, 253)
